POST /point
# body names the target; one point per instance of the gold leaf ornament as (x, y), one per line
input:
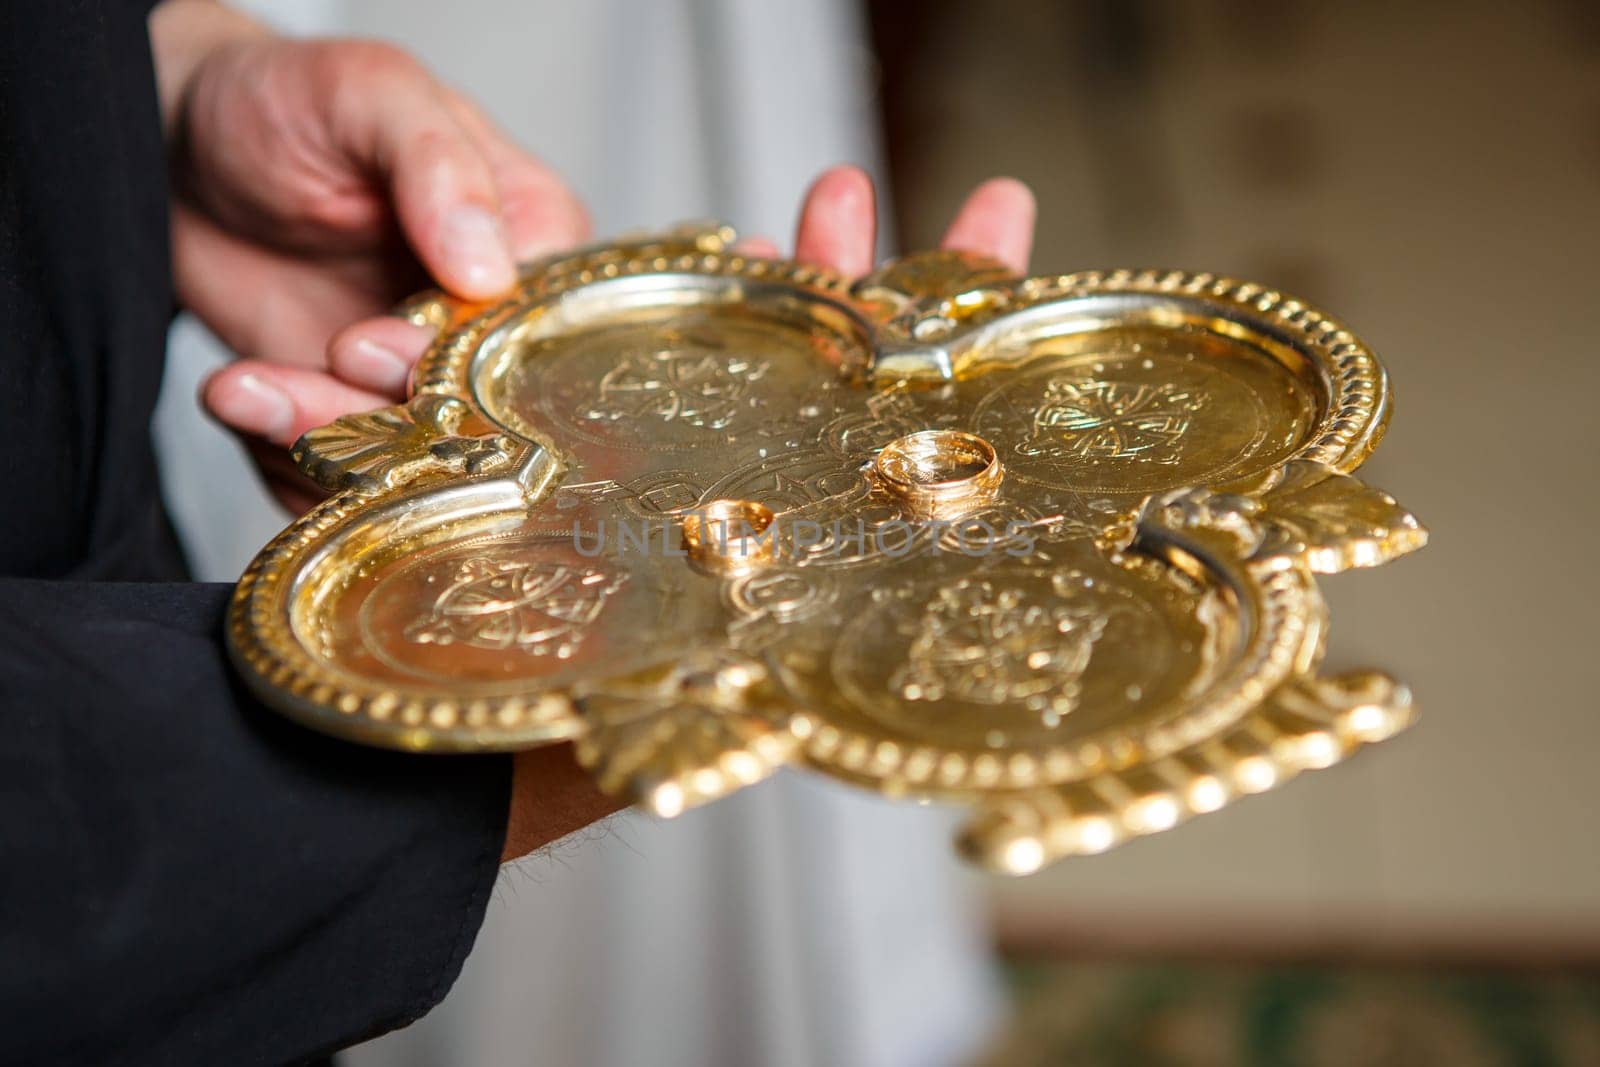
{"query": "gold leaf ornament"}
(381, 449)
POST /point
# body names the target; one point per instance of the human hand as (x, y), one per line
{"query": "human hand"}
(318, 183)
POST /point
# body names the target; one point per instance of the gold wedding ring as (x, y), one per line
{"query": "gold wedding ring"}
(940, 473)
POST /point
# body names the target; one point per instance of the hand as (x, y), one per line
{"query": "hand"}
(838, 230)
(318, 183)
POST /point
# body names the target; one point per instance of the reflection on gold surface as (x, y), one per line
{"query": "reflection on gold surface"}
(1051, 557)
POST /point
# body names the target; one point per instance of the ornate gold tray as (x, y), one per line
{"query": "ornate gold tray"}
(1040, 546)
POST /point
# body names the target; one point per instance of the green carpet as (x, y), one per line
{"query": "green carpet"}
(1151, 1015)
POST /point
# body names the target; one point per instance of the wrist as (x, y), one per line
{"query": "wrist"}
(551, 797)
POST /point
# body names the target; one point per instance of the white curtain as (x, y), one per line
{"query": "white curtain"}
(799, 922)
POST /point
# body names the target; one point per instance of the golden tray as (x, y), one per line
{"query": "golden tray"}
(1041, 546)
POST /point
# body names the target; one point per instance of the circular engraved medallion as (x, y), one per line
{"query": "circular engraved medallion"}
(1025, 658)
(710, 378)
(1142, 410)
(509, 608)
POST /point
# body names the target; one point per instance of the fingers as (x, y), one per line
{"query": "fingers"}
(393, 117)
(278, 403)
(264, 303)
(541, 214)
(377, 354)
(839, 222)
(996, 220)
(449, 207)
(471, 203)
(757, 248)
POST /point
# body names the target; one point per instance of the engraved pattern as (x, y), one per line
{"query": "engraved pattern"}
(1359, 410)
(1290, 617)
(691, 379)
(986, 645)
(542, 608)
(444, 368)
(1086, 419)
(652, 496)
(284, 671)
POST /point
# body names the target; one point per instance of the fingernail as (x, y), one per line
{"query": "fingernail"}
(256, 406)
(475, 246)
(379, 367)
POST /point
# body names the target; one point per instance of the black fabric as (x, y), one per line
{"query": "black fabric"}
(184, 878)
(85, 292)
(189, 879)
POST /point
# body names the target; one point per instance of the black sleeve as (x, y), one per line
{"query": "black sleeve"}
(184, 878)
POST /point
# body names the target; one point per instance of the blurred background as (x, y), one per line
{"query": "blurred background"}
(1427, 171)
